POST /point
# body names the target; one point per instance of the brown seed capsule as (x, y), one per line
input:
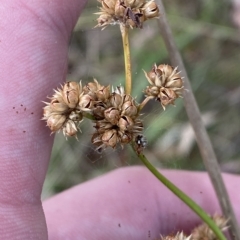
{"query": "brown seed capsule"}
(116, 100)
(70, 129)
(112, 115)
(125, 123)
(58, 107)
(167, 96)
(129, 108)
(103, 93)
(71, 92)
(55, 122)
(110, 138)
(150, 10)
(166, 84)
(98, 110)
(86, 102)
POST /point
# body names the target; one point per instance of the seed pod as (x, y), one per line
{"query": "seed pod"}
(55, 122)
(71, 92)
(167, 96)
(98, 110)
(112, 115)
(129, 108)
(125, 123)
(116, 100)
(110, 138)
(70, 129)
(86, 102)
(103, 93)
(150, 10)
(58, 107)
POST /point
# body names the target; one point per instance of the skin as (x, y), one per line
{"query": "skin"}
(128, 203)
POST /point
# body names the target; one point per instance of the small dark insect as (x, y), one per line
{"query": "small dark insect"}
(141, 143)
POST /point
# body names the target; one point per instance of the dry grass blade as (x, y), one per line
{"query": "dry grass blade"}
(204, 143)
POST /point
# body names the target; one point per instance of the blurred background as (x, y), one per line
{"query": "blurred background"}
(208, 37)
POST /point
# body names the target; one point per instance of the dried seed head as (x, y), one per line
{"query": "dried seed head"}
(64, 112)
(116, 120)
(204, 232)
(166, 84)
(178, 236)
(129, 108)
(70, 129)
(131, 13)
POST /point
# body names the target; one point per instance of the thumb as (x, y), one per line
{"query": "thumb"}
(33, 59)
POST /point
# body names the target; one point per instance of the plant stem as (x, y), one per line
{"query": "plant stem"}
(188, 201)
(194, 115)
(127, 60)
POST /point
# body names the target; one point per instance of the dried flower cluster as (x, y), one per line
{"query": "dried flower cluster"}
(64, 112)
(130, 13)
(202, 232)
(178, 236)
(166, 84)
(116, 115)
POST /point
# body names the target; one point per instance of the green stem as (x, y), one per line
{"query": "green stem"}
(127, 60)
(188, 201)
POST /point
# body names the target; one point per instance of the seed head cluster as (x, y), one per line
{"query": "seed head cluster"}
(165, 84)
(131, 13)
(64, 111)
(115, 114)
(201, 232)
(178, 236)
(204, 232)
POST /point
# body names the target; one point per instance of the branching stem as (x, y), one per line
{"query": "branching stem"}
(127, 59)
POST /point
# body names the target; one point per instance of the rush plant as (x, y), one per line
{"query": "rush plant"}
(116, 114)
